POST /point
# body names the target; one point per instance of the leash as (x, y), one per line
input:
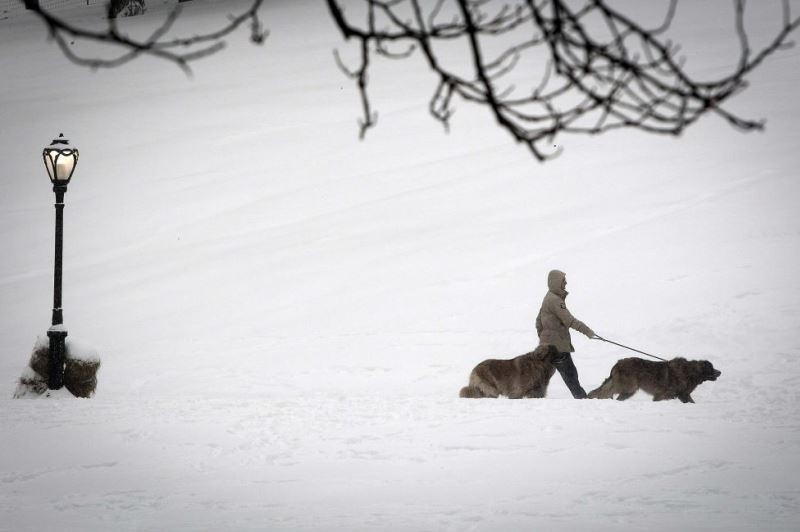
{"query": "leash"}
(626, 347)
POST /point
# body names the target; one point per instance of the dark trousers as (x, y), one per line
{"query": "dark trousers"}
(566, 368)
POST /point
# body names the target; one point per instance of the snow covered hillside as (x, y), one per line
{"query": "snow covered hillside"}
(285, 314)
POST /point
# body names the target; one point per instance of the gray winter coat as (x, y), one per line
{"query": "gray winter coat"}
(554, 320)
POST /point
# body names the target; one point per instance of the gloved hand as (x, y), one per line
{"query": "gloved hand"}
(583, 328)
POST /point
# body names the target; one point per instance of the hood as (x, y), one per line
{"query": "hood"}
(555, 280)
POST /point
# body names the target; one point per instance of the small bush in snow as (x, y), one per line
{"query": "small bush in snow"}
(80, 371)
(40, 362)
(80, 376)
(31, 384)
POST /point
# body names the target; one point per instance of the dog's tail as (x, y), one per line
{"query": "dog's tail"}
(471, 392)
(604, 391)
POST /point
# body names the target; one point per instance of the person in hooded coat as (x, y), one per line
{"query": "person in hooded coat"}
(553, 324)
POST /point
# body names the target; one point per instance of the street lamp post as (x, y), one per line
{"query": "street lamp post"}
(60, 159)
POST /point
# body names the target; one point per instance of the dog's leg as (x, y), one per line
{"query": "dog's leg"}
(625, 395)
(488, 390)
(686, 398)
(537, 392)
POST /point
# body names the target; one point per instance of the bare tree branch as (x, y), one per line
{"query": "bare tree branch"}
(592, 81)
(181, 50)
(542, 68)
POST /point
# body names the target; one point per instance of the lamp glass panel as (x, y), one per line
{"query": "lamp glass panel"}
(65, 163)
(48, 163)
(60, 164)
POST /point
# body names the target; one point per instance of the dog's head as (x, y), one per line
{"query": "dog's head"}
(546, 353)
(708, 372)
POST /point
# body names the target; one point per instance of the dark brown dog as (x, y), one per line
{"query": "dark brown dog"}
(524, 376)
(676, 378)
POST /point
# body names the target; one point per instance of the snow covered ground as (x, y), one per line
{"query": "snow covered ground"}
(285, 314)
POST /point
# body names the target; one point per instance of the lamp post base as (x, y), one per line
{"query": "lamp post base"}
(57, 335)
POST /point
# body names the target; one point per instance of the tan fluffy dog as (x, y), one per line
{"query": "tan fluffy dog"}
(524, 376)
